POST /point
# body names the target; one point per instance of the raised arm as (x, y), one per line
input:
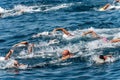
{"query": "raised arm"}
(94, 34)
(9, 54)
(105, 7)
(27, 44)
(24, 43)
(63, 30)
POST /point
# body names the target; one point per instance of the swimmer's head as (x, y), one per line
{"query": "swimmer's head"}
(0, 14)
(101, 57)
(104, 39)
(65, 52)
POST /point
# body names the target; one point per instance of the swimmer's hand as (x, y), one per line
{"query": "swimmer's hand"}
(101, 9)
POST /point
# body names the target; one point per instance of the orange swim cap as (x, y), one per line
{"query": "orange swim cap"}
(65, 52)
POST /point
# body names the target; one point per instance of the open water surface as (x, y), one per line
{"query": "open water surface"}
(41, 17)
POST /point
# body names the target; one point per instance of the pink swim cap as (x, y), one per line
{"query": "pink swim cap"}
(104, 39)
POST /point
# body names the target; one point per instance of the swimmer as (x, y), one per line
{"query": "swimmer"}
(15, 62)
(25, 43)
(66, 54)
(104, 58)
(66, 33)
(95, 35)
(63, 30)
(116, 3)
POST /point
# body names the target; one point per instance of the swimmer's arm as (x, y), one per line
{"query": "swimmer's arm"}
(115, 40)
(106, 6)
(24, 42)
(85, 33)
(63, 30)
(94, 34)
(15, 45)
(9, 54)
(56, 29)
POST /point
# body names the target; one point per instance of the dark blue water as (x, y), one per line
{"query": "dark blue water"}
(42, 16)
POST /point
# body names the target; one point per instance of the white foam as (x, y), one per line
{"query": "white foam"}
(43, 34)
(22, 53)
(114, 7)
(2, 58)
(49, 51)
(2, 10)
(98, 44)
(23, 66)
(112, 59)
(7, 64)
(20, 9)
(58, 7)
(67, 37)
(76, 47)
(23, 8)
(54, 41)
(117, 36)
(18, 45)
(91, 29)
